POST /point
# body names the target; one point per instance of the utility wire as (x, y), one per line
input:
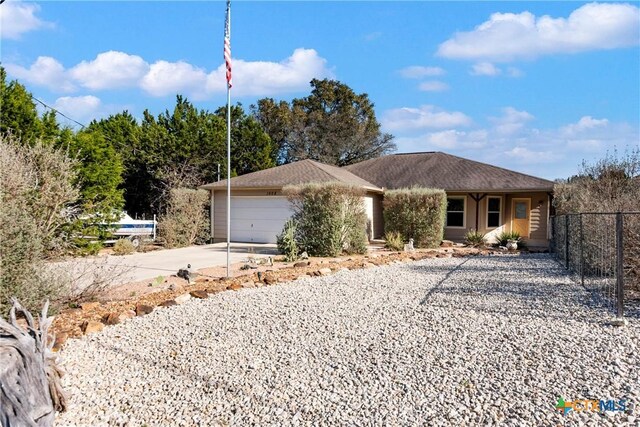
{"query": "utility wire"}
(57, 111)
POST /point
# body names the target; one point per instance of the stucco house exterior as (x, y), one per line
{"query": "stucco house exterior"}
(480, 196)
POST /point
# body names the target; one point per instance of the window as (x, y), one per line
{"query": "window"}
(493, 212)
(455, 211)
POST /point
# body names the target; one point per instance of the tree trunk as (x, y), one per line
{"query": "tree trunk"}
(30, 390)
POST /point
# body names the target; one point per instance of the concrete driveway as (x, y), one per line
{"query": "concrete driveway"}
(142, 266)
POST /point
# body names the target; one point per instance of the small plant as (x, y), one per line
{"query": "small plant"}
(505, 236)
(287, 243)
(123, 247)
(475, 238)
(394, 241)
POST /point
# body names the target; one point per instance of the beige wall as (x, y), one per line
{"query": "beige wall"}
(538, 219)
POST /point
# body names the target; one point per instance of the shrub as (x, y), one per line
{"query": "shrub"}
(475, 238)
(609, 185)
(287, 244)
(123, 247)
(36, 193)
(505, 236)
(394, 241)
(417, 213)
(330, 218)
(185, 221)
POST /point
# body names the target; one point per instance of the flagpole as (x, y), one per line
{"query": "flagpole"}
(227, 58)
(228, 179)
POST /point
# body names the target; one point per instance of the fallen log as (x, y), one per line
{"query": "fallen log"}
(30, 389)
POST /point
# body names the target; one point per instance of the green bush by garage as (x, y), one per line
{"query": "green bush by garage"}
(416, 213)
(329, 218)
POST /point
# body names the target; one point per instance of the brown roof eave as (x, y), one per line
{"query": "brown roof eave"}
(272, 187)
(508, 190)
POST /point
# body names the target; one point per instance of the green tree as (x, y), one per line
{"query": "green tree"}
(18, 113)
(123, 132)
(99, 171)
(333, 125)
(19, 116)
(251, 148)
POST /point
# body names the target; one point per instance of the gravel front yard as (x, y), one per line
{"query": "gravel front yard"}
(444, 341)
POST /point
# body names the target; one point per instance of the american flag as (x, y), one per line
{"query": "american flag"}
(227, 43)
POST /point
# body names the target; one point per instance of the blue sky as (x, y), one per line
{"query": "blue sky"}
(531, 86)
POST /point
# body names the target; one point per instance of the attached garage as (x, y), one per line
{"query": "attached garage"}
(258, 219)
(255, 218)
(259, 209)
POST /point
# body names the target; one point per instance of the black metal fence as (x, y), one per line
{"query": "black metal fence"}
(602, 251)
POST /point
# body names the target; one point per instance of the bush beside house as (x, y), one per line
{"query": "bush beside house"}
(416, 213)
(185, 221)
(330, 218)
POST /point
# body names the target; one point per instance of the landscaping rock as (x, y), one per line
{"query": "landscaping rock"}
(111, 318)
(446, 342)
(168, 303)
(86, 306)
(142, 309)
(446, 243)
(199, 294)
(61, 338)
(301, 264)
(234, 286)
(90, 326)
(126, 315)
(181, 299)
(324, 271)
(176, 287)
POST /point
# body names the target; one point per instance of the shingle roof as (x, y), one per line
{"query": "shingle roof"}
(302, 172)
(440, 170)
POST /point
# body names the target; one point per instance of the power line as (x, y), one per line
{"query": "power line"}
(57, 111)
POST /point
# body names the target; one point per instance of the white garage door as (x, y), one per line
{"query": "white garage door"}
(258, 219)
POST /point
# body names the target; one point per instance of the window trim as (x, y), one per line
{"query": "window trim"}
(500, 216)
(464, 212)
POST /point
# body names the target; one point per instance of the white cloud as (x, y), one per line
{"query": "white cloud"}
(525, 155)
(110, 70)
(511, 121)
(433, 86)
(263, 78)
(427, 116)
(169, 78)
(510, 36)
(418, 71)
(451, 140)
(46, 71)
(584, 124)
(511, 142)
(18, 18)
(82, 108)
(485, 69)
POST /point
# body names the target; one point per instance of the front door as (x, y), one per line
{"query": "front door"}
(521, 216)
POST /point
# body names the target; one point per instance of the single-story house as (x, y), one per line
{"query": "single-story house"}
(483, 197)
